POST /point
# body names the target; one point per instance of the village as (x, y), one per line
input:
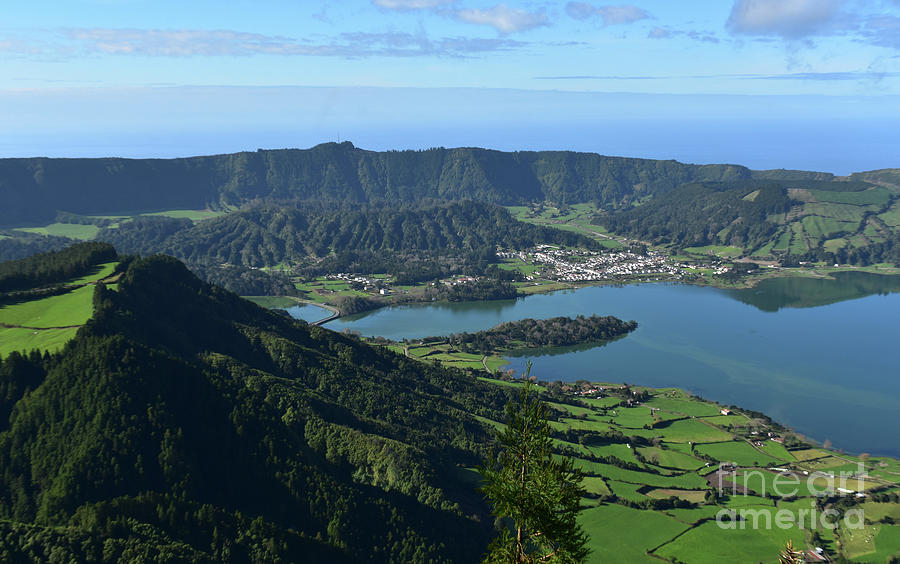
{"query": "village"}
(578, 265)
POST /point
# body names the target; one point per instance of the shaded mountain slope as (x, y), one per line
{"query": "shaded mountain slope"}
(268, 235)
(186, 424)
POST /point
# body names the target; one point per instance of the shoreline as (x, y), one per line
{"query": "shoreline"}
(818, 273)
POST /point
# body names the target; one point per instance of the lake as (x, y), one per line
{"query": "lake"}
(308, 312)
(817, 355)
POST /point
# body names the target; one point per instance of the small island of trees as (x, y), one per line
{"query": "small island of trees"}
(553, 332)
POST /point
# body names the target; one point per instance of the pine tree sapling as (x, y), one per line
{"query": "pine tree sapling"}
(533, 492)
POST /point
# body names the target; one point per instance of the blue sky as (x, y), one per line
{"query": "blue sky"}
(160, 77)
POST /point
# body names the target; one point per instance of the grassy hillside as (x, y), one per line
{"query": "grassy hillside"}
(46, 298)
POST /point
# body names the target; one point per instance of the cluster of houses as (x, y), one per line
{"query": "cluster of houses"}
(582, 266)
(367, 283)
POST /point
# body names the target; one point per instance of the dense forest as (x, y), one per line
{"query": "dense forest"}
(34, 189)
(185, 424)
(481, 289)
(553, 332)
(268, 235)
(16, 245)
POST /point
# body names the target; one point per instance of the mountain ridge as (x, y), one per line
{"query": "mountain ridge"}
(36, 188)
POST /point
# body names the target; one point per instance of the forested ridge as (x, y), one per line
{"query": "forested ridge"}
(185, 424)
(34, 189)
(697, 214)
(271, 234)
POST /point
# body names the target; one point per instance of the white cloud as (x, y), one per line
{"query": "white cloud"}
(882, 30)
(791, 19)
(503, 19)
(611, 15)
(176, 43)
(666, 33)
(79, 42)
(412, 4)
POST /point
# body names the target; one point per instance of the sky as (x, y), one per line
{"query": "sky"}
(768, 83)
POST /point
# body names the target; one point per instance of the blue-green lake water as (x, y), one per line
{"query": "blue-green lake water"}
(308, 312)
(821, 356)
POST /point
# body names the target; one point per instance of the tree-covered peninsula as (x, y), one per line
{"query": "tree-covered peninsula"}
(553, 332)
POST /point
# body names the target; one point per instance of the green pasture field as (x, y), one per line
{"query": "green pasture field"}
(272, 302)
(624, 490)
(99, 272)
(694, 496)
(764, 482)
(631, 417)
(618, 450)
(678, 402)
(819, 227)
(878, 511)
(873, 543)
(193, 215)
(873, 231)
(738, 452)
(777, 450)
(749, 500)
(604, 402)
(808, 454)
(71, 230)
(892, 216)
(690, 430)
(531, 288)
(24, 340)
(582, 424)
(728, 421)
(708, 543)
(670, 458)
(572, 409)
(518, 265)
(859, 241)
(686, 481)
(717, 250)
(842, 212)
(692, 516)
(635, 533)
(830, 464)
(873, 196)
(784, 241)
(72, 308)
(833, 245)
(596, 485)
(764, 251)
